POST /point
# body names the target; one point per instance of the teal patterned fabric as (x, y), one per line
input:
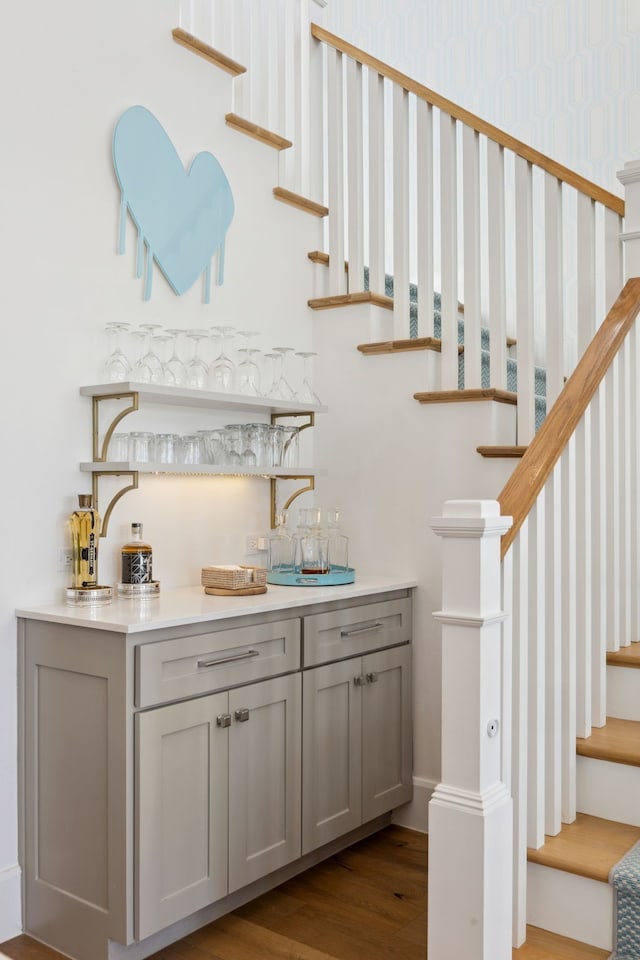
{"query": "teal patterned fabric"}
(625, 878)
(512, 364)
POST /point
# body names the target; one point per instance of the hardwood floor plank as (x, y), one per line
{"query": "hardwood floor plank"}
(26, 948)
(542, 945)
(233, 938)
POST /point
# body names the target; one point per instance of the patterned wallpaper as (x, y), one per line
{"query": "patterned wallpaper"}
(562, 75)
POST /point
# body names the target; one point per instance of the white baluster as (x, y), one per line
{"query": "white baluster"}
(612, 258)
(471, 260)
(585, 272)
(553, 652)
(599, 560)
(425, 217)
(520, 731)
(400, 213)
(376, 183)
(355, 167)
(629, 177)
(243, 32)
(497, 265)
(634, 489)
(624, 447)
(524, 300)
(613, 510)
(554, 308)
(337, 280)
(583, 508)
(470, 819)
(568, 732)
(448, 254)
(536, 675)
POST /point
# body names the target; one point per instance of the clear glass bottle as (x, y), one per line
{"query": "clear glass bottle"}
(313, 545)
(137, 558)
(84, 524)
(338, 542)
(281, 555)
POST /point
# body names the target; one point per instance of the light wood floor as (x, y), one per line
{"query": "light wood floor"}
(367, 903)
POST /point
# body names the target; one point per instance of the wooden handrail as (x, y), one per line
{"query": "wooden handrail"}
(529, 477)
(567, 176)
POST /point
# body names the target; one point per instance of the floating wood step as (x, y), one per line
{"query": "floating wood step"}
(302, 203)
(543, 945)
(618, 741)
(350, 299)
(466, 396)
(258, 133)
(625, 656)
(588, 847)
(207, 52)
(510, 452)
(401, 346)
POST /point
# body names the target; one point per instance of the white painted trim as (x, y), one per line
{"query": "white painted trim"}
(570, 905)
(462, 620)
(465, 527)
(630, 173)
(10, 898)
(415, 815)
(469, 800)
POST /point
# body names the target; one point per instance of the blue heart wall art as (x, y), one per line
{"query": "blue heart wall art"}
(182, 216)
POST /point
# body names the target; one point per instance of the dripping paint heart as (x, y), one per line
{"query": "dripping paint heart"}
(182, 216)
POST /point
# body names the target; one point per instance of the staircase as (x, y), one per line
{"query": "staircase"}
(513, 346)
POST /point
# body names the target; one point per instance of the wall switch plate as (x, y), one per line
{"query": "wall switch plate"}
(65, 559)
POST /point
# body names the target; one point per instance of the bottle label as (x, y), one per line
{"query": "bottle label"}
(136, 568)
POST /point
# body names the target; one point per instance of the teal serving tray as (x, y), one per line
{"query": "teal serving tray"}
(334, 578)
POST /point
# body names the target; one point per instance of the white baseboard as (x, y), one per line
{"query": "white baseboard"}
(10, 903)
(415, 815)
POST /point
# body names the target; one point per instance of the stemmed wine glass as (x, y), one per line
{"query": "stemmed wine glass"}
(221, 371)
(116, 365)
(280, 389)
(175, 370)
(197, 368)
(148, 367)
(269, 371)
(305, 392)
(248, 372)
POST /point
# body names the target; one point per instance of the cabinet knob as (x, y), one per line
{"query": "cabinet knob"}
(360, 681)
(372, 678)
(223, 720)
(242, 715)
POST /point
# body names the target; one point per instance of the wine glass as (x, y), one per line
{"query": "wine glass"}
(248, 373)
(221, 371)
(305, 392)
(269, 369)
(116, 365)
(175, 370)
(148, 367)
(281, 390)
(197, 368)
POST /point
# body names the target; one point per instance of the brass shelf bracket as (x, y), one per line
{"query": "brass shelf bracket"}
(95, 484)
(311, 483)
(100, 450)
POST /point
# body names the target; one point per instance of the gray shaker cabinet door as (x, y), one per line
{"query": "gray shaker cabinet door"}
(387, 759)
(181, 811)
(264, 778)
(332, 751)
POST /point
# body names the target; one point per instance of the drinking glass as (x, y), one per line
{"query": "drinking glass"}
(289, 457)
(119, 448)
(221, 371)
(175, 370)
(248, 373)
(305, 392)
(151, 359)
(142, 447)
(233, 446)
(191, 449)
(269, 370)
(281, 390)
(167, 448)
(197, 368)
(116, 365)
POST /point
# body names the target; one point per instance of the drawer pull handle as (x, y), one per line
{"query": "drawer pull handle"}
(242, 715)
(247, 655)
(357, 630)
(372, 678)
(224, 720)
(359, 681)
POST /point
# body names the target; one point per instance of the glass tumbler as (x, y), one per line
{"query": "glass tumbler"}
(167, 447)
(275, 443)
(290, 447)
(142, 447)
(119, 447)
(191, 449)
(257, 435)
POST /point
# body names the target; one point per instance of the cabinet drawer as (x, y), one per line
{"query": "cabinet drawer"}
(188, 666)
(356, 630)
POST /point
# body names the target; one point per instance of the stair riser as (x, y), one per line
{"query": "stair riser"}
(608, 790)
(570, 905)
(623, 692)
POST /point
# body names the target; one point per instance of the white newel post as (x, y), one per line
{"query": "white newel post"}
(470, 813)
(630, 179)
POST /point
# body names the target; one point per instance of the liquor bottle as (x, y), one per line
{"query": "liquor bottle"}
(84, 524)
(136, 558)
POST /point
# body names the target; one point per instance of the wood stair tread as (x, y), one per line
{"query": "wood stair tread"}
(401, 346)
(544, 945)
(618, 741)
(206, 51)
(466, 396)
(625, 656)
(495, 452)
(265, 136)
(588, 847)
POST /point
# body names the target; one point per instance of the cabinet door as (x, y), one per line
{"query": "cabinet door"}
(181, 811)
(332, 752)
(264, 778)
(387, 756)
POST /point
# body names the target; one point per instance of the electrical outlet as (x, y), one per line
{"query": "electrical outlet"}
(65, 559)
(252, 543)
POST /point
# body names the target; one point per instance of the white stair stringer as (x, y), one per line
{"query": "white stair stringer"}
(570, 905)
(623, 692)
(608, 790)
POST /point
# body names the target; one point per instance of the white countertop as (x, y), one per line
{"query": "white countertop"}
(178, 606)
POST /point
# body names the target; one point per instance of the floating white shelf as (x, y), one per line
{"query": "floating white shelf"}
(187, 397)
